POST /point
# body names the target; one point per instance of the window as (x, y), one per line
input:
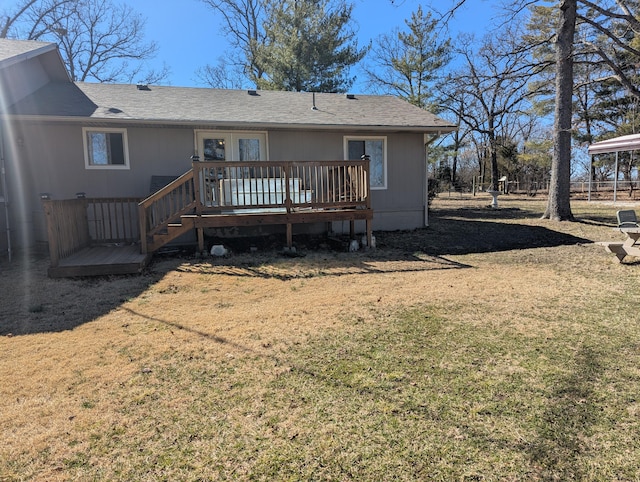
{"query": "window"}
(232, 146)
(376, 149)
(106, 148)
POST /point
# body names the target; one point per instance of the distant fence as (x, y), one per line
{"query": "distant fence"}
(543, 187)
(604, 186)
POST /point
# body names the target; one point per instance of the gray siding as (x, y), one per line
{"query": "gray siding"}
(401, 205)
(51, 160)
(305, 146)
(22, 79)
(55, 162)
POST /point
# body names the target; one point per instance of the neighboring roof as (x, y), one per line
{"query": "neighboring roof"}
(617, 144)
(182, 105)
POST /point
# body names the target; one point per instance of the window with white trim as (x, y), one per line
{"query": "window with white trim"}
(376, 149)
(105, 148)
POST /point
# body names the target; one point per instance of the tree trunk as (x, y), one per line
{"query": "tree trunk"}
(559, 205)
(454, 163)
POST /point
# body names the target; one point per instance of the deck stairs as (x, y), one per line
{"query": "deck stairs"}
(170, 232)
(161, 214)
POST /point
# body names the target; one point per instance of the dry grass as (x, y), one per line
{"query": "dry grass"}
(491, 346)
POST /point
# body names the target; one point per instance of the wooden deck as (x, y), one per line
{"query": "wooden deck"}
(224, 194)
(93, 237)
(109, 236)
(101, 261)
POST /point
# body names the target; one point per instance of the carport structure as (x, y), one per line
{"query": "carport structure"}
(628, 143)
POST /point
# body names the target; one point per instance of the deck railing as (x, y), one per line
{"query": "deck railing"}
(286, 185)
(73, 224)
(113, 220)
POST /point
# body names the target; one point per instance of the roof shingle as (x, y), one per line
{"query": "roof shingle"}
(219, 106)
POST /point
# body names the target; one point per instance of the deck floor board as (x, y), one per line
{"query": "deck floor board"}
(100, 261)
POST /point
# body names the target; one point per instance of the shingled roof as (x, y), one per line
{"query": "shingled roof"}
(161, 105)
(15, 49)
(181, 105)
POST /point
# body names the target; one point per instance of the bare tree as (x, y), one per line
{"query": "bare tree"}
(494, 86)
(243, 23)
(98, 40)
(222, 75)
(26, 19)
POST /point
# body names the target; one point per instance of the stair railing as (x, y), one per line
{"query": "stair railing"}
(166, 206)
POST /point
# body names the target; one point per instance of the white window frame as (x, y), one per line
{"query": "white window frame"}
(105, 130)
(384, 155)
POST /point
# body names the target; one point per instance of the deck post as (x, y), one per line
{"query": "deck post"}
(287, 191)
(51, 234)
(289, 235)
(200, 232)
(352, 229)
(142, 222)
(197, 179)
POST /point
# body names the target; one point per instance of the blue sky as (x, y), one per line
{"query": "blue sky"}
(189, 33)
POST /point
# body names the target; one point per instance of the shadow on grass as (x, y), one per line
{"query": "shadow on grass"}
(449, 236)
(32, 303)
(37, 304)
(566, 426)
(179, 326)
(327, 265)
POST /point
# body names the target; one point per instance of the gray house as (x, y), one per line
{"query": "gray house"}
(64, 140)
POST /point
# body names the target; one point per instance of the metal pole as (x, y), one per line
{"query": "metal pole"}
(590, 178)
(615, 181)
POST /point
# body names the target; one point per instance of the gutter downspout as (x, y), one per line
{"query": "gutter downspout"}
(427, 142)
(5, 199)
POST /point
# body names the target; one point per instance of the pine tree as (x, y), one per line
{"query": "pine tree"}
(408, 63)
(309, 47)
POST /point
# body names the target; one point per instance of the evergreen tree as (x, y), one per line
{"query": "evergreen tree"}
(308, 47)
(408, 63)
